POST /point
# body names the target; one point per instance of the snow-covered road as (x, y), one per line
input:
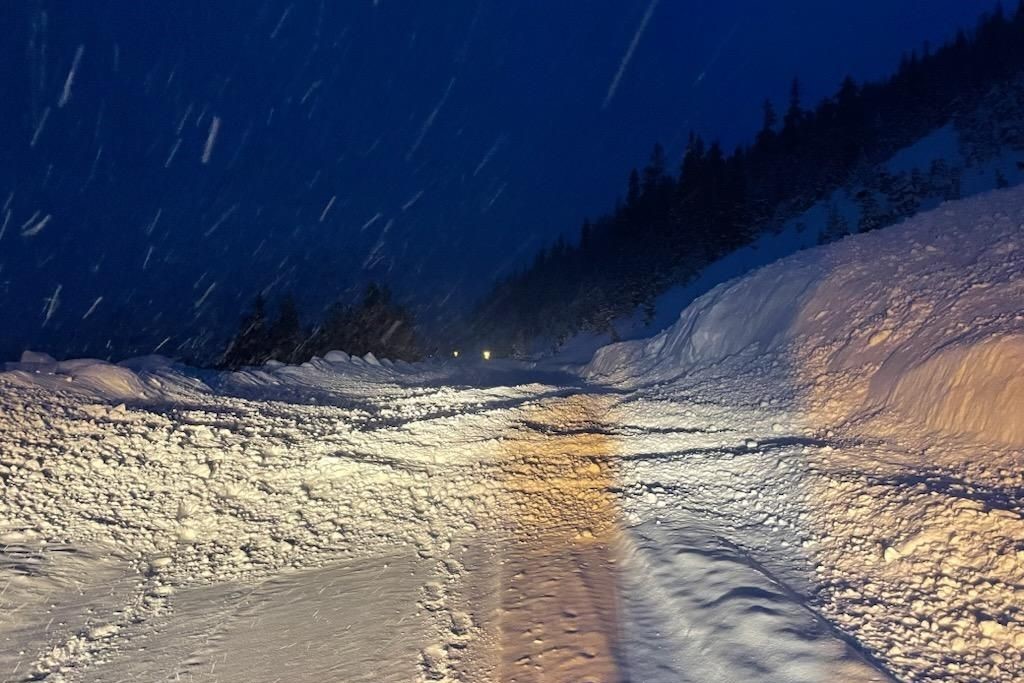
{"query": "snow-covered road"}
(816, 474)
(339, 523)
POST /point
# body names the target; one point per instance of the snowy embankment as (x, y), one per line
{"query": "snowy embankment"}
(947, 147)
(152, 515)
(880, 381)
(924, 320)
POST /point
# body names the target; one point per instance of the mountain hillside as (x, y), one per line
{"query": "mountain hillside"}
(947, 124)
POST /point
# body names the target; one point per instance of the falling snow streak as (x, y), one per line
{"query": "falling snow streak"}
(211, 139)
(184, 120)
(3, 226)
(152, 225)
(375, 256)
(490, 153)
(390, 331)
(92, 169)
(312, 89)
(69, 81)
(497, 194)
(280, 22)
(327, 209)
(39, 128)
(51, 305)
(415, 198)
(220, 221)
(370, 222)
(629, 53)
(93, 307)
(202, 300)
(36, 228)
(716, 55)
(38, 57)
(430, 120)
(174, 151)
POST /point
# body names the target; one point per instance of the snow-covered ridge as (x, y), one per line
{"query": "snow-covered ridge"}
(923, 320)
(151, 377)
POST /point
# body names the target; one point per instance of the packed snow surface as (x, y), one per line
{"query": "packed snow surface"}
(815, 475)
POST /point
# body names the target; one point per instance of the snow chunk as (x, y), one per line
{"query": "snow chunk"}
(35, 357)
(88, 376)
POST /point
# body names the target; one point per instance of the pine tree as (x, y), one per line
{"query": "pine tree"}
(768, 120)
(836, 226)
(870, 212)
(249, 345)
(954, 189)
(285, 333)
(633, 192)
(1001, 182)
(655, 171)
(794, 114)
(904, 195)
(586, 235)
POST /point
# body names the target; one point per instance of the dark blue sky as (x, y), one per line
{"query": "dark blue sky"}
(175, 158)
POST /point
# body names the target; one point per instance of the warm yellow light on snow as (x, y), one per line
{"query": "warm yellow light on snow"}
(487, 355)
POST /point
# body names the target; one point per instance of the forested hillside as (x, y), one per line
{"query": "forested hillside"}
(674, 221)
(376, 324)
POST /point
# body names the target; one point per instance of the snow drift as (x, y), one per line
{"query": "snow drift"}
(924, 320)
(971, 388)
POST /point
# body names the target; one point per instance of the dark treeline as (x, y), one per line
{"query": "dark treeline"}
(672, 224)
(375, 325)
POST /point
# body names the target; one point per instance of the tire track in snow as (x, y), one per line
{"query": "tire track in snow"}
(558, 616)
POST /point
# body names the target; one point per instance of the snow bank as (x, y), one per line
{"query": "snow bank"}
(975, 388)
(85, 375)
(922, 320)
(156, 377)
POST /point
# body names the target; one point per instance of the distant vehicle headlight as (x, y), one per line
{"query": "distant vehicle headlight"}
(487, 355)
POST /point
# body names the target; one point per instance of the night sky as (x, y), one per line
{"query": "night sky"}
(175, 158)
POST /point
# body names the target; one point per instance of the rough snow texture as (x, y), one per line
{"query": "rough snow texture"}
(816, 475)
(892, 361)
(343, 520)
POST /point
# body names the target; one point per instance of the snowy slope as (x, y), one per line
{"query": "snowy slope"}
(923, 319)
(879, 381)
(943, 146)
